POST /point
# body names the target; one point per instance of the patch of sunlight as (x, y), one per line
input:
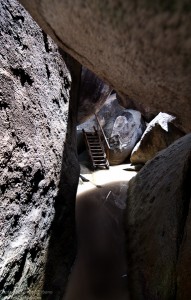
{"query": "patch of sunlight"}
(99, 178)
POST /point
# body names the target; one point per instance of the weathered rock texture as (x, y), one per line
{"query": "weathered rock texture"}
(158, 226)
(93, 94)
(34, 96)
(160, 133)
(184, 260)
(62, 244)
(123, 132)
(122, 127)
(142, 48)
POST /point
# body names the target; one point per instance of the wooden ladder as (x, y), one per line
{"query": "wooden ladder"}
(95, 149)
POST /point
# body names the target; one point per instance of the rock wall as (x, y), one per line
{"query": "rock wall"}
(158, 226)
(34, 97)
(62, 244)
(142, 48)
(93, 94)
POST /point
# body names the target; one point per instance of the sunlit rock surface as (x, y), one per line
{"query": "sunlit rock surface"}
(160, 133)
(122, 127)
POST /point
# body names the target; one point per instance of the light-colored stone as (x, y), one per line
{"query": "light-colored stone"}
(142, 48)
(122, 127)
(127, 129)
(157, 225)
(160, 133)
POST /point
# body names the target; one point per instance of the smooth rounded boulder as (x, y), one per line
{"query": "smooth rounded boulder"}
(158, 226)
(141, 48)
(159, 134)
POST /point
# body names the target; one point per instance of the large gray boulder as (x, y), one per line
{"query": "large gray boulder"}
(123, 132)
(122, 127)
(159, 134)
(34, 96)
(158, 226)
(142, 48)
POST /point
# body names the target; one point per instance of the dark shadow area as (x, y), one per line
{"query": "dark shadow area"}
(100, 268)
(62, 244)
(157, 226)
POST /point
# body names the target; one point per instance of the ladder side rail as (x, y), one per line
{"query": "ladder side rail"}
(103, 133)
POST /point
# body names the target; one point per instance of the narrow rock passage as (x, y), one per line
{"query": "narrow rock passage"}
(100, 270)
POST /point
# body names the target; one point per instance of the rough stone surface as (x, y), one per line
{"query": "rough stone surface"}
(142, 48)
(93, 94)
(158, 225)
(160, 133)
(184, 261)
(127, 129)
(62, 244)
(109, 109)
(34, 96)
(122, 127)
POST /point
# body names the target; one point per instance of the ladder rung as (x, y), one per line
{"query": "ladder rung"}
(97, 152)
(96, 149)
(100, 160)
(93, 141)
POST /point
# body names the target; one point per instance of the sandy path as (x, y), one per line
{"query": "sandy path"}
(100, 268)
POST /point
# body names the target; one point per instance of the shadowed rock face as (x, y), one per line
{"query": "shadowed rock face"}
(158, 225)
(33, 122)
(93, 94)
(141, 48)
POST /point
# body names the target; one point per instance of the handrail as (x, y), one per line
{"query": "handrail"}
(105, 138)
